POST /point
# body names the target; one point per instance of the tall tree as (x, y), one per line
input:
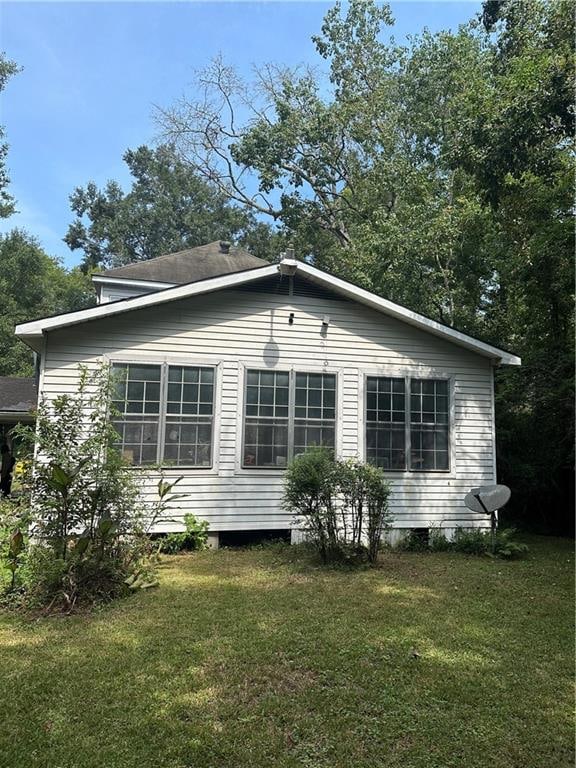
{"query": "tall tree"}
(520, 148)
(437, 174)
(32, 284)
(168, 208)
(351, 169)
(7, 69)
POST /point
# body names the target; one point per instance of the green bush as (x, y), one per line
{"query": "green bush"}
(470, 541)
(343, 505)
(413, 542)
(479, 542)
(88, 530)
(195, 537)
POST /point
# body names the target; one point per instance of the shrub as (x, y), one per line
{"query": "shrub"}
(309, 493)
(344, 504)
(414, 542)
(476, 541)
(88, 529)
(479, 542)
(195, 537)
(14, 523)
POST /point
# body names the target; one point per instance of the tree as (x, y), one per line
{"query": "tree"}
(520, 149)
(351, 170)
(437, 174)
(168, 208)
(7, 69)
(32, 284)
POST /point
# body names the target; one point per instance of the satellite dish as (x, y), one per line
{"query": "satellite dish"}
(487, 498)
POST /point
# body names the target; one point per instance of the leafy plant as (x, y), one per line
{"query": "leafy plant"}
(193, 538)
(89, 530)
(344, 504)
(479, 542)
(309, 491)
(475, 541)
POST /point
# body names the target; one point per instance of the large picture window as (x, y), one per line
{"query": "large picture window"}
(407, 423)
(164, 413)
(285, 413)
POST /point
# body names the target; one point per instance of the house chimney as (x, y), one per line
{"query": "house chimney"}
(224, 246)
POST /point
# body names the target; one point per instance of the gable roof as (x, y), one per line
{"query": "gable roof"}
(17, 394)
(31, 332)
(188, 266)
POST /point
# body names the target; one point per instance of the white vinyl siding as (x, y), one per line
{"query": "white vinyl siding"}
(237, 331)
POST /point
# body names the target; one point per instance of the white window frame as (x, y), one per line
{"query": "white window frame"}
(165, 361)
(408, 373)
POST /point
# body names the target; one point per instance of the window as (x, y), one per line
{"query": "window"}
(314, 411)
(165, 413)
(285, 413)
(414, 438)
(386, 422)
(428, 424)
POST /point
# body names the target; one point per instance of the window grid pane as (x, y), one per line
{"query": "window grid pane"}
(315, 396)
(266, 442)
(189, 415)
(311, 433)
(314, 411)
(136, 398)
(188, 402)
(429, 429)
(267, 394)
(267, 420)
(188, 442)
(138, 441)
(385, 422)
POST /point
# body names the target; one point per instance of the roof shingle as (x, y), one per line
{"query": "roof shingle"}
(189, 266)
(18, 394)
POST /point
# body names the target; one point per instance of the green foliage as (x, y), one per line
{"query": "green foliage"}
(32, 284)
(413, 542)
(193, 538)
(8, 68)
(343, 504)
(479, 542)
(14, 522)
(469, 541)
(168, 208)
(438, 174)
(88, 529)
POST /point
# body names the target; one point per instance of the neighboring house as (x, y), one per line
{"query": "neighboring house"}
(234, 365)
(18, 398)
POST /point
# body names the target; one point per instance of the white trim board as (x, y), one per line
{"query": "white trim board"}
(32, 332)
(130, 282)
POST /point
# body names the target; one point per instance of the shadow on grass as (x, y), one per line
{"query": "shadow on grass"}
(249, 659)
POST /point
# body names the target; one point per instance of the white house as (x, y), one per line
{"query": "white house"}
(233, 365)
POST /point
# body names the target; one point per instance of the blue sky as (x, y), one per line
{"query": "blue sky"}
(93, 71)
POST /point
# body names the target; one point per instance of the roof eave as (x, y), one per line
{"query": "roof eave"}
(403, 314)
(131, 281)
(35, 328)
(31, 333)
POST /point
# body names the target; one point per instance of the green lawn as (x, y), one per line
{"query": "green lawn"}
(244, 658)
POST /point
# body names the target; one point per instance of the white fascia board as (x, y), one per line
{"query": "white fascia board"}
(36, 328)
(407, 315)
(130, 282)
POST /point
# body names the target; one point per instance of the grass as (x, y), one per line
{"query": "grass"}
(252, 658)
